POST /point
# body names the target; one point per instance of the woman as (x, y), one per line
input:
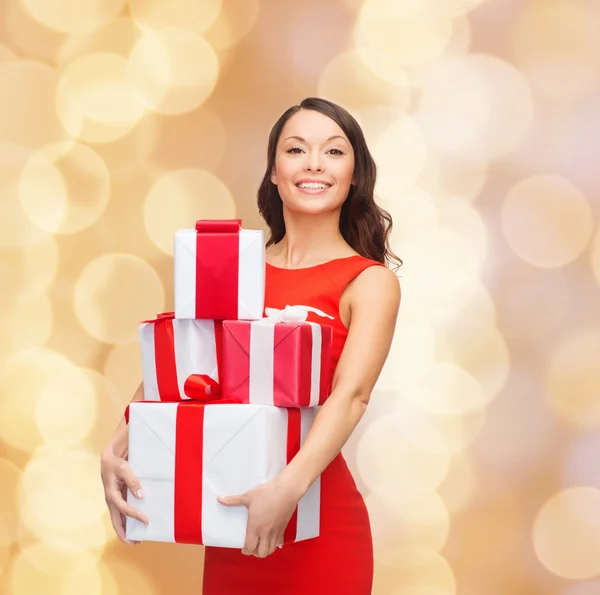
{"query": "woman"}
(328, 249)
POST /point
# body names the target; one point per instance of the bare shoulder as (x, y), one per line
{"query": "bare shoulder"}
(376, 283)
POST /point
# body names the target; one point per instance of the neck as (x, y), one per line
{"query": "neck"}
(310, 238)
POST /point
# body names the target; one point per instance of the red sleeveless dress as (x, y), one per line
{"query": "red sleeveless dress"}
(340, 560)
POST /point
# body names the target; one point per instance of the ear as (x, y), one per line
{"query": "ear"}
(273, 177)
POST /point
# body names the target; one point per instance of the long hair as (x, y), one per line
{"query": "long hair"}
(363, 224)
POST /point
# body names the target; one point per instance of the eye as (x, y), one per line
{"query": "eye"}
(337, 152)
(294, 150)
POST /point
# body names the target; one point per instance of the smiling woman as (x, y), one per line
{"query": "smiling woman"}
(327, 247)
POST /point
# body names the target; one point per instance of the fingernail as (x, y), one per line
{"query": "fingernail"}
(140, 493)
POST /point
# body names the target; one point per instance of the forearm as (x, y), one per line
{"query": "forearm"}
(331, 429)
(119, 442)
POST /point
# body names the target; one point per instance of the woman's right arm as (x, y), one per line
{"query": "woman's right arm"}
(118, 477)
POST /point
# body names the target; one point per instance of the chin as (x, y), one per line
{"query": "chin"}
(313, 205)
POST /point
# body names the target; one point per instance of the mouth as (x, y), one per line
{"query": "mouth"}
(313, 187)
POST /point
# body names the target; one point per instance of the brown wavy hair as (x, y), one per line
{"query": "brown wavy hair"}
(363, 224)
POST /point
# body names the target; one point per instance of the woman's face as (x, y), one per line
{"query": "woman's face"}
(314, 164)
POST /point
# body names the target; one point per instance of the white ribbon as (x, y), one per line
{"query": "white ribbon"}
(293, 314)
(262, 335)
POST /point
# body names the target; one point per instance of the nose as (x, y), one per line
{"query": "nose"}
(313, 161)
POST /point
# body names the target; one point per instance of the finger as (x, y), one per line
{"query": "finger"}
(240, 500)
(127, 510)
(264, 547)
(118, 524)
(251, 544)
(125, 472)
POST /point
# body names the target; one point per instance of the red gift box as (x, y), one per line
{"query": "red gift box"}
(281, 360)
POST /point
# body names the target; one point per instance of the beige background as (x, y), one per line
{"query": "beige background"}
(121, 122)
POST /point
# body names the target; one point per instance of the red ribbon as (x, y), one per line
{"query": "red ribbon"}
(293, 446)
(217, 267)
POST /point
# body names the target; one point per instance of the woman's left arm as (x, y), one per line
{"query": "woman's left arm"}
(374, 298)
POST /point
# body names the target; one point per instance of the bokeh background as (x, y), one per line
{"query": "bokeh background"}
(123, 121)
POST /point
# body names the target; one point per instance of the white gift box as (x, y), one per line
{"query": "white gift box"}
(187, 454)
(173, 350)
(219, 275)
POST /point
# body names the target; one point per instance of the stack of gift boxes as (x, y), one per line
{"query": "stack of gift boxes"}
(229, 396)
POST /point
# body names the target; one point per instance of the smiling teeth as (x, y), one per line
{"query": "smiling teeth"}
(313, 186)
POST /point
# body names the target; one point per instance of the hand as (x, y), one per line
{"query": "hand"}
(270, 508)
(117, 477)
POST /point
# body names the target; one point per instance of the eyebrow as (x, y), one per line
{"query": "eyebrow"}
(302, 140)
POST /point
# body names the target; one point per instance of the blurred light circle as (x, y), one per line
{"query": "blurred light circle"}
(117, 37)
(481, 308)
(27, 36)
(463, 218)
(451, 8)
(390, 34)
(580, 466)
(51, 474)
(28, 323)
(94, 99)
(416, 517)
(132, 575)
(183, 196)
(571, 380)
(447, 389)
(110, 409)
(532, 302)
(347, 80)
(6, 54)
(420, 566)
(16, 229)
(451, 175)
(10, 476)
(197, 15)
(56, 562)
(422, 590)
(235, 21)
(413, 346)
(557, 47)
(22, 578)
(583, 588)
(173, 70)
(566, 533)
(460, 484)
(444, 273)
(5, 547)
(195, 139)
(401, 150)
(28, 117)
(123, 369)
(476, 105)
(64, 188)
(520, 411)
(595, 256)
(23, 377)
(66, 409)
(387, 459)
(546, 221)
(441, 434)
(414, 211)
(113, 292)
(479, 349)
(458, 45)
(90, 538)
(74, 16)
